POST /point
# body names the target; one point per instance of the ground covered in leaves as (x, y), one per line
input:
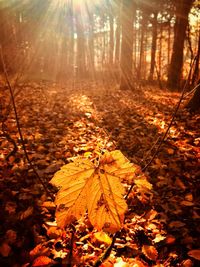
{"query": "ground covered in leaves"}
(61, 122)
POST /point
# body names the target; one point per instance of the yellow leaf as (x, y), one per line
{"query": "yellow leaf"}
(195, 253)
(98, 189)
(143, 183)
(158, 238)
(102, 237)
(71, 198)
(150, 252)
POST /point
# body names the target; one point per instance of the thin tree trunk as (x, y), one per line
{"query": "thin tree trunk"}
(196, 68)
(81, 67)
(111, 43)
(153, 45)
(117, 40)
(175, 70)
(127, 44)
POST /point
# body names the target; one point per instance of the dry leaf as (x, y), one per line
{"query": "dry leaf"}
(102, 237)
(151, 215)
(176, 224)
(54, 232)
(5, 249)
(179, 183)
(26, 213)
(11, 236)
(143, 183)
(187, 203)
(42, 261)
(170, 151)
(150, 252)
(189, 197)
(195, 253)
(158, 238)
(170, 239)
(186, 263)
(38, 250)
(106, 205)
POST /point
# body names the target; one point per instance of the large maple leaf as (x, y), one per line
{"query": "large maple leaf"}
(98, 189)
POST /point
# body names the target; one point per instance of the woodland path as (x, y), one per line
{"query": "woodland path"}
(61, 122)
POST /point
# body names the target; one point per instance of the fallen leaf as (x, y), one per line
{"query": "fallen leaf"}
(170, 240)
(40, 249)
(180, 184)
(143, 183)
(106, 205)
(11, 236)
(26, 213)
(54, 232)
(42, 261)
(187, 203)
(102, 237)
(158, 238)
(194, 253)
(187, 263)
(176, 224)
(150, 252)
(5, 249)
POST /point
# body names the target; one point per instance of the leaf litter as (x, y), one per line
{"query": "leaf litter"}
(161, 225)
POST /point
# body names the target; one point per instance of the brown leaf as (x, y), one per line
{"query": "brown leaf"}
(195, 253)
(187, 203)
(26, 213)
(180, 184)
(11, 236)
(176, 224)
(150, 252)
(5, 249)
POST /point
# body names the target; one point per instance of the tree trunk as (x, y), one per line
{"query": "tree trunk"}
(194, 103)
(127, 17)
(175, 70)
(196, 67)
(111, 41)
(81, 67)
(153, 45)
(117, 40)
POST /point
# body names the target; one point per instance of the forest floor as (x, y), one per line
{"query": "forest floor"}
(60, 122)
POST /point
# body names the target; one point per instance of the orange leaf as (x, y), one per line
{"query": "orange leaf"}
(5, 249)
(42, 261)
(150, 252)
(195, 253)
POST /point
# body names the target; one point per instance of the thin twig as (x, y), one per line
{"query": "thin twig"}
(19, 128)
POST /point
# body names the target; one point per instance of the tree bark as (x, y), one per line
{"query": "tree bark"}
(196, 67)
(153, 46)
(127, 18)
(81, 67)
(194, 103)
(175, 69)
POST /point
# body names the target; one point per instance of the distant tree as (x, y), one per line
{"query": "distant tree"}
(175, 69)
(127, 18)
(81, 64)
(153, 44)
